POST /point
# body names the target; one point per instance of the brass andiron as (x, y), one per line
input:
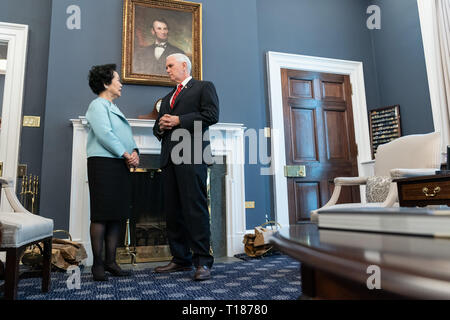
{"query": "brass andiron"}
(127, 244)
(29, 192)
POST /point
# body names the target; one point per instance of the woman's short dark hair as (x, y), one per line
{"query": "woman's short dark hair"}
(101, 75)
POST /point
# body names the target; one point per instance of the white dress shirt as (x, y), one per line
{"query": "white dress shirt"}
(159, 50)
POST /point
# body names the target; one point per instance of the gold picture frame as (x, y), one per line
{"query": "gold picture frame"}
(142, 22)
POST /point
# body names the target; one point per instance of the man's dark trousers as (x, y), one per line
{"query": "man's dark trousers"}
(188, 228)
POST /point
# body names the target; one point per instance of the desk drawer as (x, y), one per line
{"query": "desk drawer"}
(436, 190)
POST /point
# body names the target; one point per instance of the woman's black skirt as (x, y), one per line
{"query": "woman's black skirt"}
(109, 189)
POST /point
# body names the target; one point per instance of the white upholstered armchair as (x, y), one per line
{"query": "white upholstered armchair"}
(18, 230)
(408, 156)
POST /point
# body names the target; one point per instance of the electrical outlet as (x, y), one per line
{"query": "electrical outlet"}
(21, 170)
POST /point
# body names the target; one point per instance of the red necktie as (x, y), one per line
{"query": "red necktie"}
(180, 86)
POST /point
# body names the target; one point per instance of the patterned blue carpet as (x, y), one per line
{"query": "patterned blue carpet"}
(270, 278)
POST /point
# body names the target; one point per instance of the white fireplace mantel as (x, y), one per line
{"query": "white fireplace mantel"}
(227, 140)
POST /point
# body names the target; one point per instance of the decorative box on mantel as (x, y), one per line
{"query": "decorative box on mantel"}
(227, 140)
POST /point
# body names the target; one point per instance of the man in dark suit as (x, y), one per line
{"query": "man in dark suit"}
(186, 112)
(152, 59)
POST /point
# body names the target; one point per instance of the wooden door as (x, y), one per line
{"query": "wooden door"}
(319, 135)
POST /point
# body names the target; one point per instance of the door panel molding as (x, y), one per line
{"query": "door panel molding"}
(301, 88)
(336, 148)
(301, 152)
(307, 194)
(275, 62)
(333, 91)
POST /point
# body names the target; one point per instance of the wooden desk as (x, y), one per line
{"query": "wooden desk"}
(423, 191)
(334, 263)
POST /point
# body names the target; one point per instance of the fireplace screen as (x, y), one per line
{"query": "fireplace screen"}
(145, 238)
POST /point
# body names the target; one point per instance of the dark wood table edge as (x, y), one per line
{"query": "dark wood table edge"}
(426, 178)
(393, 281)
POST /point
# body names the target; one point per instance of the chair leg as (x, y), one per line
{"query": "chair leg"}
(2, 270)
(12, 272)
(47, 265)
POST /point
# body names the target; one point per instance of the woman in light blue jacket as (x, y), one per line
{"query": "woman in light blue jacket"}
(111, 152)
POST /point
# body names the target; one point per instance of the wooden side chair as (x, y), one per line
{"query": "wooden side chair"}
(20, 229)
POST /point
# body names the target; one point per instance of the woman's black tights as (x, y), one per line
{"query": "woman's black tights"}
(108, 232)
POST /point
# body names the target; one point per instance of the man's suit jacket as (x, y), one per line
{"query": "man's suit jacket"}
(198, 101)
(145, 61)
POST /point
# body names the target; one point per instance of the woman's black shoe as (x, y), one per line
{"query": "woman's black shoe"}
(116, 271)
(98, 273)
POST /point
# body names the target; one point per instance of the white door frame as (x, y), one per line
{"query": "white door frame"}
(16, 35)
(276, 61)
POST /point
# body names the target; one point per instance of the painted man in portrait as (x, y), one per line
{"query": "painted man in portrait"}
(152, 59)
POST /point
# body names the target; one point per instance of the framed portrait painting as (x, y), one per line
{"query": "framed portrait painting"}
(155, 29)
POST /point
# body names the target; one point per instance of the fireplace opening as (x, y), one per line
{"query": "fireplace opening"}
(144, 238)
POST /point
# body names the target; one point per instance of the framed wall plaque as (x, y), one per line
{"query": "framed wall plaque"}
(384, 126)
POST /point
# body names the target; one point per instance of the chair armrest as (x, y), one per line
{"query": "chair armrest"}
(341, 182)
(8, 186)
(14, 202)
(350, 181)
(6, 182)
(399, 173)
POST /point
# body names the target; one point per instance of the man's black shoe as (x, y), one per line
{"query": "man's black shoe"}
(172, 267)
(202, 273)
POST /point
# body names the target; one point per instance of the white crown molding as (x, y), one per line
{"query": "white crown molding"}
(276, 61)
(16, 36)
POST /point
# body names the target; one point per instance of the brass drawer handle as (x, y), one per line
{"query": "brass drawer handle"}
(435, 192)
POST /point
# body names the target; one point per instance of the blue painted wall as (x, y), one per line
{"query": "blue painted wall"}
(37, 15)
(324, 28)
(233, 60)
(400, 62)
(236, 36)
(228, 61)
